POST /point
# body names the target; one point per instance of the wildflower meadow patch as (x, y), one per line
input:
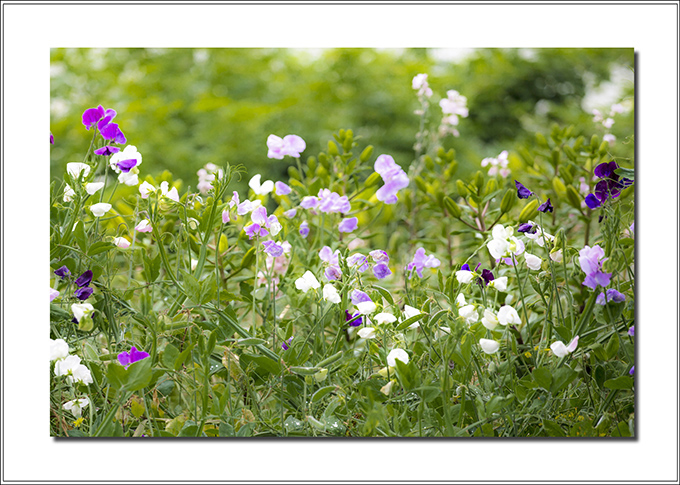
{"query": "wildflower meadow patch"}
(361, 295)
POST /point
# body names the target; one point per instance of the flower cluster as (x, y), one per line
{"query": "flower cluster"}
(125, 164)
(421, 261)
(290, 145)
(454, 105)
(608, 121)
(393, 176)
(103, 119)
(498, 165)
(206, 176)
(68, 365)
(262, 225)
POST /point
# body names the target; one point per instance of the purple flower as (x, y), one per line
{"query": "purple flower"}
(527, 227)
(381, 270)
(63, 272)
(359, 296)
(349, 224)
(291, 145)
(394, 177)
(354, 323)
(84, 279)
(286, 345)
(591, 260)
(51, 138)
(126, 165)
(379, 256)
(111, 132)
(421, 261)
(631, 331)
(127, 358)
(327, 255)
(612, 295)
(83, 293)
(333, 273)
(290, 213)
(610, 185)
(606, 170)
(592, 201)
(545, 206)
(53, 294)
(281, 188)
(254, 230)
(487, 276)
(358, 260)
(273, 249)
(92, 116)
(332, 202)
(102, 118)
(309, 202)
(522, 191)
(632, 371)
(106, 151)
(304, 229)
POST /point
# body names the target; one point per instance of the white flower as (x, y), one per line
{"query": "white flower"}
(464, 276)
(556, 255)
(81, 310)
(384, 317)
(128, 153)
(539, 235)
(262, 189)
(366, 307)
(170, 194)
(100, 209)
(409, 312)
(501, 284)
(608, 123)
(331, 294)
(387, 388)
(307, 281)
(397, 354)
(420, 84)
(489, 320)
(93, 187)
(194, 264)
(75, 168)
(69, 193)
(367, 332)
(460, 300)
(498, 248)
(489, 346)
(76, 406)
(81, 374)
(275, 227)
(58, 349)
(609, 138)
(71, 367)
(468, 313)
(144, 226)
(121, 242)
(145, 189)
(533, 262)
(130, 178)
(561, 350)
(507, 315)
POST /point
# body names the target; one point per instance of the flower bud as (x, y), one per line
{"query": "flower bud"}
(571, 154)
(540, 139)
(366, 154)
(556, 155)
(560, 238)
(420, 183)
(479, 179)
(452, 208)
(293, 173)
(373, 179)
(333, 149)
(573, 197)
(529, 211)
(559, 187)
(508, 201)
(323, 160)
(594, 143)
(311, 163)
(429, 163)
(567, 176)
(491, 186)
(462, 189)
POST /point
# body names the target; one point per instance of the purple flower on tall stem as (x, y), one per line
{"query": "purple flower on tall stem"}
(610, 185)
(522, 191)
(62, 272)
(394, 177)
(381, 270)
(487, 276)
(127, 358)
(111, 132)
(254, 230)
(612, 295)
(286, 344)
(51, 138)
(421, 261)
(281, 188)
(349, 224)
(545, 206)
(273, 249)
(359, 296)
(106, 151)
(84, 279)
(83, 293)
(590, 260)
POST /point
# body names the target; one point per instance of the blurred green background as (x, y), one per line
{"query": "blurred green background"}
(183, 108)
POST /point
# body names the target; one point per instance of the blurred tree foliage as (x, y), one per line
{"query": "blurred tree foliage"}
(183, 108)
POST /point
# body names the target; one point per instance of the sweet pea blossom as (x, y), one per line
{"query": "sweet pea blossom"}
(538, 235)
(58, 349)
(497, 165)
(489, 346)
(561, 350)
(545, 206)
(74, 169)
(556, 256)
(290, 213)
(93, 187)
(507, 315)
(127, 358)
(281, 188)
(84, 279)
(62, 272)
(384, 317)
(81, 310)
(76, 406)
(291, 145)
(330, 202)
(83, 293)
(309, 202)
(503, 245)
(397, 354)
(145, 189)
(260, 189)
(247, 206)
(144, 226)
(73, 370)
(304, 229)
(500, 284)
(612, 295)
(331, 294)
(367, 333)
(419, 83)
(126, 160)
(454, 105)
(468, 313)
(353, 320)
(106, 151)
(366, 307)
(273, 249)
(410, 312)
(100, 209)
(69, 193)
(393, 176)
(381, 270)
(421, 261)
(533, 262)
(522, 191)
(349, 224)
(286, 344)
(51, 138)
(631, 331)
(307, 281)
(121, 242)
(490, 320)
(610, 185)
(590, 260)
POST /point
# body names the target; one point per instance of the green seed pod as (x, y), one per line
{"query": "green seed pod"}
(333, 149)
(311, 163)
(479, 179)
(508, 202)
(347, 144)
(573, 197)
(560, 238)
(571, 154)
(594, 143)
(323, 160)
(540, 139)
(420, 183)
(529, 211)
(294, 173)
(341, 133)
(429, 163)
(559, 187)
(452, 208)
(491, 186)
(462, 189)
(366, 154)
(373, 179)
(565, 172)
(556, 155)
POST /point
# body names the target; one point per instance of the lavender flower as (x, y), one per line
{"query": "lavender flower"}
(631, 371)
(381, 270)
(358, 260)
(291, 145)
(379, 256)
(273, 249)
(522, 191)
(394, 177)
(255, 230)
(127, 358)
(421, 261)
(309, 202)
(286, 345)
(53, 294)
(84, 279)
(281, 188)
(612, 295)
(631, 331)
(591, 260)
(349, 224)
(83, 293)
(359, 296)
(304, 229)
(333, 202)
(62, 272)
(545, 206)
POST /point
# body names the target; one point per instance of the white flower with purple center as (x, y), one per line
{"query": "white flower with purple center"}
(126, 160)
(304, 229)
(393, 176)
(422, 261)
(290, 145)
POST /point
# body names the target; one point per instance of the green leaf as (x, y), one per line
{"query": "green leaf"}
(152, 267)
(99, 247)
(134, 378)
(626, 173)
(226, 430)
(553, 429)
(385, 294)
(169, 356)
(411, 321)
(192, 286)
(248, 258)
(79, 234)
(612, 346)
(561, 378)
(244, 342)
(543, 377)
(186, 353)
(305, 371)
(622, 382)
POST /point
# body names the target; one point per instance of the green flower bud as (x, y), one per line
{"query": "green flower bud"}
(294, 173)
(571, 154)
(373, 179)
(323, 160)
(452, 208)
(508, 202)
(333, 149)
(311, 163)
(559, 187)
(529, 211)
(462, 189)
(366, 154)
(540, 139)
(556, 155)
(594, 143)
(420, 183)
(491, 186)
(479, 179)
(573, 197)
(429, 163)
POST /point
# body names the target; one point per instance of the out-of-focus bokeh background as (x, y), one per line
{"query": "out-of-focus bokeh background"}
(183, 108)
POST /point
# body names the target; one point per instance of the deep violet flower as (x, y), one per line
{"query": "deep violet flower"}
(349, 317)
(62, 272)
(84, 279)
(612, 295)
(487, 276)
(127, 358)
(286, 344)
(522, 191)
(610, 184)
(527, 227)
(51, 138)
(106, 150)
(83, 293)
(631, 371)
(545, 206)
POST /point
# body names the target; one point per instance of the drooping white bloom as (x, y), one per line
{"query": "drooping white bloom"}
(75, 168)
(500, 284)
(460, 300)
(489, 346)
(121, 242)
(81, 310)
(58, 349)
(144, 226)
(367, 332)
(503, 244)
(397, 354)
(464, 277)
(100, 209)
(507, 315)
(145, 189)
(489, 320)
(556, 255)
(130, 178)
(307, 281)
(76, 406)
(260, 189)
(533, 262)
(387, 388)
(468, 313)
(65, 366)
(171, 194)
(384, 317)
(561, 350)
(93, 187)
(81, 374)
(331, 294)
(69, 193)
(366, 307)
